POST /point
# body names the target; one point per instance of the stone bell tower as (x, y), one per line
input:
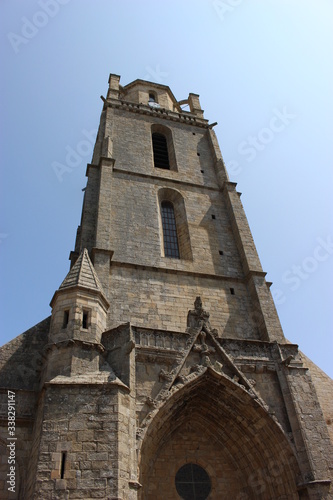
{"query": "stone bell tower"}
(163, 372)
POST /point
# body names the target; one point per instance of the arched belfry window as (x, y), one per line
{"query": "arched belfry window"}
(170, 239)
(160, 149)
(163, 148)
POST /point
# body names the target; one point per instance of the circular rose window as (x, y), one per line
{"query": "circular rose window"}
(193, 482)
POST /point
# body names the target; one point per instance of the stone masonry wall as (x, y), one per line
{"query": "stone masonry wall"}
(135, 236)
(132, 149)
(21, 362)
(324, 388)
(80, 427)
(162, 300)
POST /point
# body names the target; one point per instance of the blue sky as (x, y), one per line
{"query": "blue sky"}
(264, 73)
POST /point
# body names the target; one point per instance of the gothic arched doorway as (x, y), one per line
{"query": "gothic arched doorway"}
(216, 425)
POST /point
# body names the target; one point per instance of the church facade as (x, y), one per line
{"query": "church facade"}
(163, 372)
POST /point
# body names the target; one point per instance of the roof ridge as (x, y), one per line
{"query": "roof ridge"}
(92, 269)
(80, 265)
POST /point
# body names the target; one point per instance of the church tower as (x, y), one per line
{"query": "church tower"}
(163, 372)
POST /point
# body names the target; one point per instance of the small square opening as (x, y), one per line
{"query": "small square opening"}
(152, 97)
(213, 216)
(232, 291)
(221, 252)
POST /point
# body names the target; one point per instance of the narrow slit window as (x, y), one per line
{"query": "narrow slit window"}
(65, 319)
(170, 239)
(85, 318)
(160, 150)
(63, 463)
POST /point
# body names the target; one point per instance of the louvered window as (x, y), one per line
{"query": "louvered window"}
(170, 239)
(160, 149)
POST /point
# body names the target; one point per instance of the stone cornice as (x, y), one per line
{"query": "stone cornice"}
(143, 109)
(256, 342)
(104, 161)
(229, 186)
(85, 290)
(71, 342)
(92, 379)
(132, 173)
(165, 180)
(254, 272)
(185, 272)
(153, 353)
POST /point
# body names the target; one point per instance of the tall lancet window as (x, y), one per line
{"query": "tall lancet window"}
(170, 239)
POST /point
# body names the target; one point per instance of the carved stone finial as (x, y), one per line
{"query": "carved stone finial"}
(198, 318)
(198, 305)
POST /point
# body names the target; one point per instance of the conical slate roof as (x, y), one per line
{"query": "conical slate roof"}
(83, 275)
